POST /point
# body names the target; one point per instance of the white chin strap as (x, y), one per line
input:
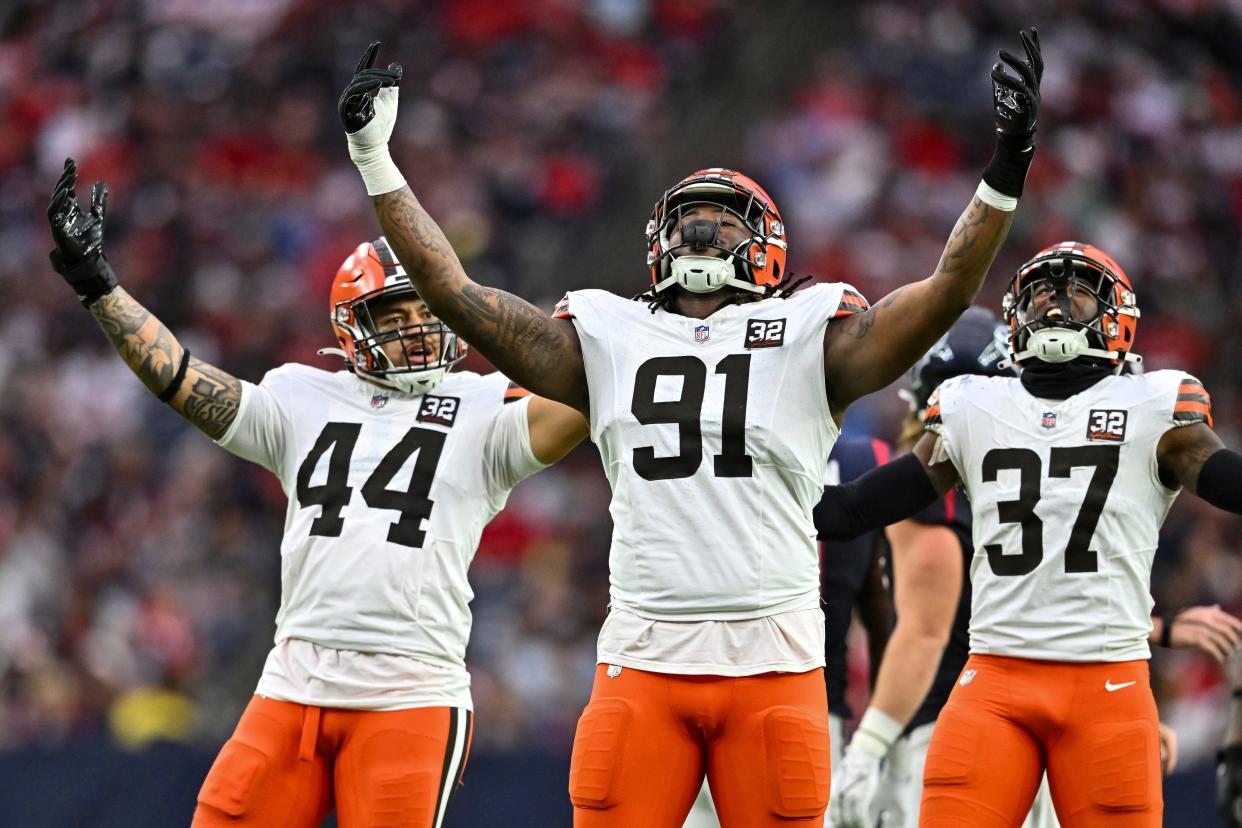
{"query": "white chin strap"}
(414, 382)
(704, 274)
(1057, 345)
(419, 382)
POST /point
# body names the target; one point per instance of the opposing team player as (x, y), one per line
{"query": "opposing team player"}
(928, 564)
(714, 404)
(392, 468)
(1070, 470)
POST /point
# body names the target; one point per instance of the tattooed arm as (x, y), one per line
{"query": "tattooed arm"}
(868, 350)
(208, 398)
(530, 347)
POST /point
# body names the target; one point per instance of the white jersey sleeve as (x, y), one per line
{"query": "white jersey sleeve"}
(507, 455)
(260, 430)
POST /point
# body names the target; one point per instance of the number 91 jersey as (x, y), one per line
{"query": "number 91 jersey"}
(388, 495)
(1067, 505)
(714, 435)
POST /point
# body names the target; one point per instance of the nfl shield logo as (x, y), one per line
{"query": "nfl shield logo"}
(1049, 419)
(702, 333)
(379, 400)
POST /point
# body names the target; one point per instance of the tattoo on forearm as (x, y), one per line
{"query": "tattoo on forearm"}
(213, 400)
(417, 240)
(518, 338)
(153, 353)
(975, 240)
(147, 347)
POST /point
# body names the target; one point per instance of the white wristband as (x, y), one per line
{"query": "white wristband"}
(995, 198)
(379, 173)
(876, 733)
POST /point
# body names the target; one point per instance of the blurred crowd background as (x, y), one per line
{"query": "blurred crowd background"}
(139, 564)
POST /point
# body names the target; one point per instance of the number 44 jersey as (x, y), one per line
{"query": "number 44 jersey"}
(714, 435)
(1067, 504)
(388, 495)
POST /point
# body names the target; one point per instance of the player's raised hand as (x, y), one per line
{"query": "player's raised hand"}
(357, 104)
(368, 110)
(1209, 629)
(78, 237)
(1015, 108)
(1015, 89)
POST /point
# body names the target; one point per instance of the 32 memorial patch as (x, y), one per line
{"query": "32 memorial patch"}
(1108, 425)
(438, 410)
(765, 333)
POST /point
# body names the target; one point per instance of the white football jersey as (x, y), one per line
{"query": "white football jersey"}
(388, 495)
(1067, 506)
(714, 435)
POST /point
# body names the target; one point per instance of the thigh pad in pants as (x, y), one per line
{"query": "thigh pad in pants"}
(599, 751)
(797, 772)
(234, 779)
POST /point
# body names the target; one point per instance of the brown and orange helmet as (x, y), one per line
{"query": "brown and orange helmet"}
(370, 274)
(756, 265)
(1108, 336)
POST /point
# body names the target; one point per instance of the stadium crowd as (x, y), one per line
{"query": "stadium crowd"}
(139, 564)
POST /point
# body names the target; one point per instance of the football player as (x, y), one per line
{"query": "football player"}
(1070, 469)
(714, 401)
(928, 566)
(392, 467)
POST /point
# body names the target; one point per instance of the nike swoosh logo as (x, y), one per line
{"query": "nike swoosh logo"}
(1113, 688)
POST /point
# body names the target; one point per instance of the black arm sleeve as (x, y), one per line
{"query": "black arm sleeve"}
(884, 495)
(1220, 481)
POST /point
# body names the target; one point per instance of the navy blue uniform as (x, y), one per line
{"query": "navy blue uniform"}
(844, 565)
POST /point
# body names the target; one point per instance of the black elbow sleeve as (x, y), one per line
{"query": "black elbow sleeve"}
(884, 495)
(1220, 480)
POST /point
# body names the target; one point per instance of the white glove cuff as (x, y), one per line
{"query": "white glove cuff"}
(876, 733)
(379, 173)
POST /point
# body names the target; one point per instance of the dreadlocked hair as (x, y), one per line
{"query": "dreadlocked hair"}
(782, 290)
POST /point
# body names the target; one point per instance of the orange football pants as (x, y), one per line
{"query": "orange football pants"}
(288, 764)
(1093, 726)
(645, 740)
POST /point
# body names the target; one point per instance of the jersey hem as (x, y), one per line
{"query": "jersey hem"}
(731, 670)
(407, 703)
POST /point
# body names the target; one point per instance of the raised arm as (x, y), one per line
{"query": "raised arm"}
(529, 346)
(867, 351)
(203, 394)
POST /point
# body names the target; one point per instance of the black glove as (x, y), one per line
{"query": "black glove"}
(1015, 106)
(356, 105)
(78, 255)
(1229, 785)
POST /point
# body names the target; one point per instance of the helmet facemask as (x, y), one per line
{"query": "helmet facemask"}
(438, 348)
(1056, 336)
(699, 261)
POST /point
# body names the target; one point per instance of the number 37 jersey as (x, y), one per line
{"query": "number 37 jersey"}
(1067, 505)
(714, 435)
(388, 495)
